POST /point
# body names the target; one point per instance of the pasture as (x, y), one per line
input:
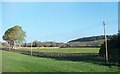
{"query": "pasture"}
(62, 50)
(16, 62)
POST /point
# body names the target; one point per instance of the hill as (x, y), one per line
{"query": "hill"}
(93, 41)
(92, 38)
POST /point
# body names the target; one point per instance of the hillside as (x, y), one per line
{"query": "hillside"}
(93, 41)
(92, 38)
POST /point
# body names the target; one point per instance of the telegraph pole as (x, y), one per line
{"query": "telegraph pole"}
(105, 42)
(31, 48)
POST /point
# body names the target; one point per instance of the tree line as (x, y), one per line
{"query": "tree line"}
(62, 45)
(15, 36)
(57, 44)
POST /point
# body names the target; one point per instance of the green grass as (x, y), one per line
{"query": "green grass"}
(0, 61)
(15, 62)
(64, 50)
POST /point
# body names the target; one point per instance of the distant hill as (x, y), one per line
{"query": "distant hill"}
(89, 39)
(93, 41)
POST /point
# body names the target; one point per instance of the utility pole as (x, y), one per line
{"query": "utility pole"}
(31, 48)
(105, 42)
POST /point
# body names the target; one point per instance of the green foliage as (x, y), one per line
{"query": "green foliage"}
(14, 35)
(43, 44)
(113, 49)
(64, 45)
(3, 44)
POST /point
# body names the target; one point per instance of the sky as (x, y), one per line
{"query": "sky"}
(60, 0)
(118, 16)
(0, 21)
(60, 21)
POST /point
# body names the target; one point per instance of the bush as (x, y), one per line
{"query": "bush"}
(113, 49)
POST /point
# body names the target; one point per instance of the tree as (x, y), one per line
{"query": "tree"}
(14, 35)
(36, 43)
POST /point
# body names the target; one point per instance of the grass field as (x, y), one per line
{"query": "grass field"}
(0, 61)
(64, 50)
(15, 62)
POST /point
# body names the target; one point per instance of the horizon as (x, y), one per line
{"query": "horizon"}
(60, 42)
(60, 21)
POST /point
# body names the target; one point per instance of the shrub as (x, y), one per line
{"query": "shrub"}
(113, 49)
